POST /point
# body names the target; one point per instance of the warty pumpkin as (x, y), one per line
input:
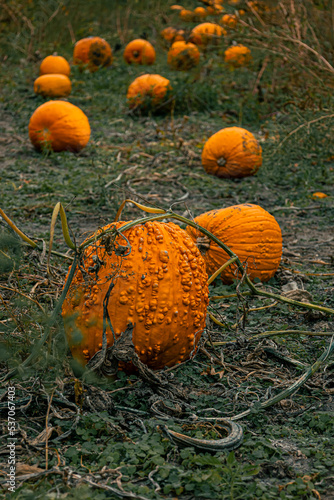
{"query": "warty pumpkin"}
(160, 286)
(206, 33)
(54, 64)
(94, 52)
(53, 85)
(249, 231)
(147, 90)
(237, 55)
(139, 52)
(60, 126)
(233, 152)
(183, 56)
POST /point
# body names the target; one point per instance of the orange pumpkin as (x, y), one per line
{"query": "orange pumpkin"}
(233, 152)
(160, 286)
(147, 90)
(94, 52)
(250, 232)
(53, 85)
(229, 20)
(237, 56)
(186, 15)
(139, 52)
(183, 56)
(172, 34)
(60, 126)
(54, 64)
(200, 13)
(176, 7)
(320, 195)
(206, 33)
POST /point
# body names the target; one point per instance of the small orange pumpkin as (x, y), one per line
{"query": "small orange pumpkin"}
(60, 126)
(249, 231)
(54, 64)
(200, 13)
(206, 33)
(186, 15)
(160, 286)
(233, 152)
(147, 90)
(176, 7)
(94, 52)
(139, 52)
(229, 20)
(237, 56)
(319, 195)
(53, 85)
(183, 56)
(172, 35)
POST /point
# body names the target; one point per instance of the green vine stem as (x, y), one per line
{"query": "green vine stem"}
(294, 387)
(278, 333)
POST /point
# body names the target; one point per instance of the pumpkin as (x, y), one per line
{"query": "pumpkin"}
(237, 56)
(320, 195)
(147, 90)
(229, 20)
(160, 286)
(183, 56)
(233, 152)
(60, 126)
(249, 231)
(139, 52)
(54, 64)
(172, 34)
(186, 15)
(200, 13)
(206, 33)
(176, 7)
(53, 85)
(94, 52)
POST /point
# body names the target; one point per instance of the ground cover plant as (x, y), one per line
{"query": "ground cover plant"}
(81, 434)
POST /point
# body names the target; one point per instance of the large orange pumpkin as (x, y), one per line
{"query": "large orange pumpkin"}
(233, 152)
(53, 85)
(54, 64)
(206, 33)
(183, 56)
(250, 232)
(92, 51)
(147, 90)
(237, 55)
(160, 286)
(60, 126)
(139, 52)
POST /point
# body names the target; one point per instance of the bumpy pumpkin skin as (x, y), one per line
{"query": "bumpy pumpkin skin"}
(233, 152)
(146, 88)
(250, 232)
(183, 56)
(206, 33)
(53, 85)
(237, 56)
(139, 52)
(60, 126)
(160, 287)
(94, 52)
(54, 64)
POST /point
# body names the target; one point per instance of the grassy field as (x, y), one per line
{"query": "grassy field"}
(97, 439)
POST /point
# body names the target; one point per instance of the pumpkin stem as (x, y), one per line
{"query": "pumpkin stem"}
(150, 210)
(221, 161)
